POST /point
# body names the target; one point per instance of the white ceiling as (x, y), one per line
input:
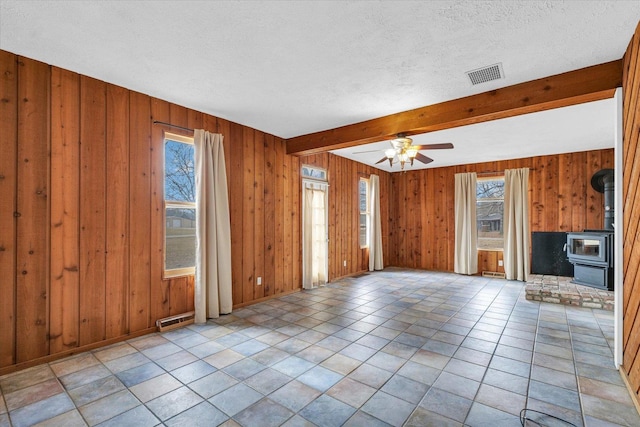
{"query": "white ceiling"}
(294, 67)
(580, 127)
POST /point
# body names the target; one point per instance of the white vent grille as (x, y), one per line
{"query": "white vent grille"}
(486, 74)
(494, 274)
(173, 322)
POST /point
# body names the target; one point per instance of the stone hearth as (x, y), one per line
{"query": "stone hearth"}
(560, 290)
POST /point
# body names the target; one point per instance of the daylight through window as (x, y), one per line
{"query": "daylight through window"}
(490, 213)
(180, 206)
(363, 192)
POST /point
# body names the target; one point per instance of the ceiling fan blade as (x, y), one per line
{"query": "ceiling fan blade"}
(424, 159)
(381, 160)
(442, 146)
(363, 152)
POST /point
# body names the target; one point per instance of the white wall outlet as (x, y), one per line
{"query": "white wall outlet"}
(500, 263)
(259, 281)
(344, 263)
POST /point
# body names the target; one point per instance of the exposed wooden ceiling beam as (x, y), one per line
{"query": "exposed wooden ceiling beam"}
(574, 87)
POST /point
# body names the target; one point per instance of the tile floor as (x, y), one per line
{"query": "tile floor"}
(399, 347)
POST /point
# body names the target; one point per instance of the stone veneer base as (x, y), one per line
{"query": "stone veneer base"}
(560, 290)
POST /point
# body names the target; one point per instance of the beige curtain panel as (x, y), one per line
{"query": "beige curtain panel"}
(375, 228)
(314, 235)
(466, 247)
(213, 293)
(516, 224)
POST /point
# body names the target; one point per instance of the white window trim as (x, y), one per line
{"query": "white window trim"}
(366, 212)
(170, 204)
(490, 178)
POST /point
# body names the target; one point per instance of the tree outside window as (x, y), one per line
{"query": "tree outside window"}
(180, 206)
(363, 198)
(490, 213)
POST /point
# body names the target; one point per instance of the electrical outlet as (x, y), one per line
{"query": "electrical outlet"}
(500, 263)
(259, 281)
(344, 263)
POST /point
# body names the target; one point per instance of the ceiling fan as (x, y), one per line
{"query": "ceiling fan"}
(403, 150)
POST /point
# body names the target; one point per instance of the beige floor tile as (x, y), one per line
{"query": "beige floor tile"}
(155, 387)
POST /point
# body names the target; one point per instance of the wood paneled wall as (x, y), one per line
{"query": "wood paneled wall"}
(82, 214)
(344, 240)
(631, 207)
(422, 232)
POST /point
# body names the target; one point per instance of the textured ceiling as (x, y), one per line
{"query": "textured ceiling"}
(291, 68)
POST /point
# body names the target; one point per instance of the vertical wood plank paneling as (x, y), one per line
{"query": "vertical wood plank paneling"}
(279, 215)
(286, 177)
(268, 280)
(65, 205)
(8, 189)
(579, 189)
(178, 294)
(425, 225)
(117, 212)
(140, 202)
(594, 207)
(441, 220)
(413, 217)
(196, 120)
(436, 206)
(537, 206)
(32, 307)
(565, 193)
(190, 294)
(631, 213)
(179, 116)
(393, 227)
(161, 303)
(258, 219)
(335, 263)
(248, 215)
(236, 183)
(343, 212)
(542, 191)
(631, 189)
(450, 230)
(92, 210)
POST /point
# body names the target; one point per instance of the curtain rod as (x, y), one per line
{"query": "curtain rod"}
(156, 122)
(497, 172)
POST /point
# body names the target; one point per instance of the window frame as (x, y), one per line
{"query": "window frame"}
(366, 212)
(490, 200)
(172, 204)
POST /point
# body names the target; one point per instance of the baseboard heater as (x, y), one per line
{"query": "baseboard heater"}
(177, 321)
(493, 274)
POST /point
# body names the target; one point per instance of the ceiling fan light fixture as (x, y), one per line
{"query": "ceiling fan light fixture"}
(412, 152)
(390, 153)
(403, 159)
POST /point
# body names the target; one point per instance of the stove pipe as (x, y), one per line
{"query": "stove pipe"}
(602, 182)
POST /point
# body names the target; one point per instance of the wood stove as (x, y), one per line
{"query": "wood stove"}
(591, 253)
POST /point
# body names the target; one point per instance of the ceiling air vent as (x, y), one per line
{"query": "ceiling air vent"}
(486, 74)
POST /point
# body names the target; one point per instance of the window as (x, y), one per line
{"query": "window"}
(313, 172)
(363, 193)
(180, 206)
(490, 213)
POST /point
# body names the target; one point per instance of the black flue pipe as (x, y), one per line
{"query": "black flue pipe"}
(603, 182)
